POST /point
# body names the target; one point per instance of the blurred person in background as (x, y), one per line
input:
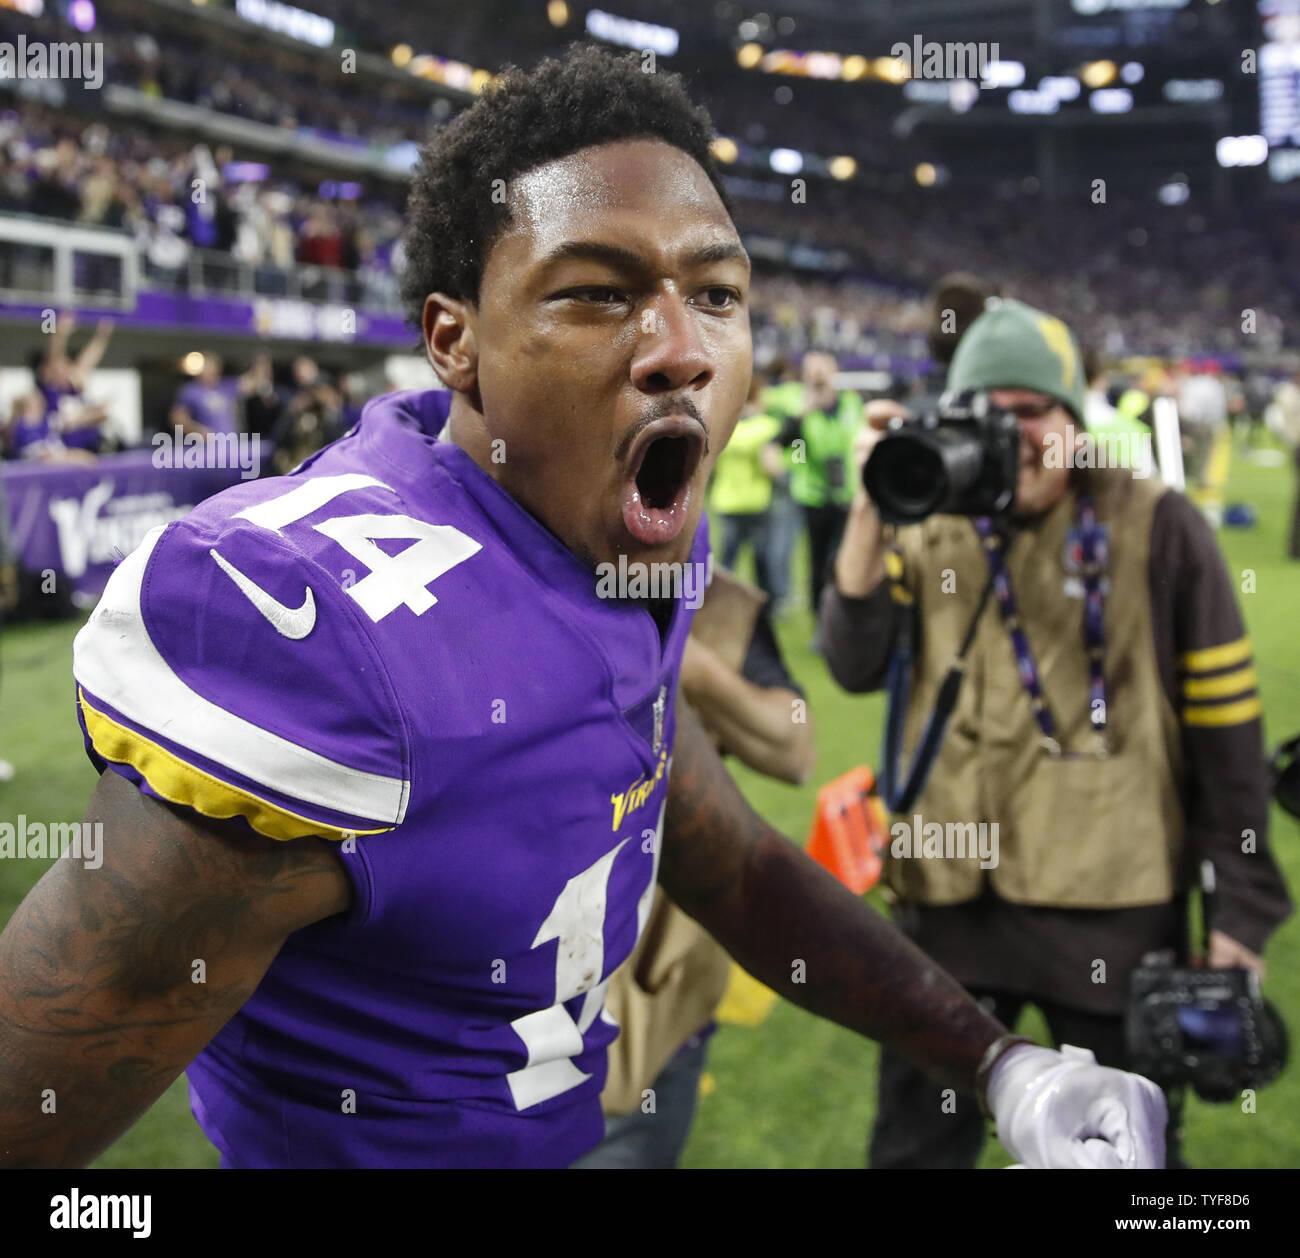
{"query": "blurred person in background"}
(1257, 388)
(820, 440)
(32, 431)
(311, 419)
(8, 591)
(263, 403)
(1128, 438)
(1202, 414)
(210, 403)
(353, 394)
(784, 399)
(67, 421)
(1283, 417)
(1108, 726)
(741, 491)
(956, 301)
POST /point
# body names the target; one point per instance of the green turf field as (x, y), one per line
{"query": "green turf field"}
(793, 1091)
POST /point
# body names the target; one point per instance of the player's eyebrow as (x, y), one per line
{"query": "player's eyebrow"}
(625, 259)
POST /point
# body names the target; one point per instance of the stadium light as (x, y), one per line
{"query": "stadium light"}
(192, 363)
(401, 55)
(298, 24)
(1099, 73)
(613, 29)
(891, 69)
(962, 94)
(1003, 74)
(930, 91)
(1284, 165)
(786, 161)
(1241, 150)
(842, 167)
(1174, 193)
(1132, 72)
(854, 67)
(725, 149)
(1193, 91)
(749, 55)
(557, 12)
(1026, 101)
(1111, 100)
(926, 174)
(1062, 86)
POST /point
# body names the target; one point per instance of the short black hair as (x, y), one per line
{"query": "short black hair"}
(523, 120)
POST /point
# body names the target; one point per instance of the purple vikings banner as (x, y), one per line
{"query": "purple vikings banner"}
(79, 521)
(273, 318)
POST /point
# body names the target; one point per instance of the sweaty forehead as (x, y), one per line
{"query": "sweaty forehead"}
(642, 185)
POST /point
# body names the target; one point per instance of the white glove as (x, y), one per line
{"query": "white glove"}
(1063, 1110)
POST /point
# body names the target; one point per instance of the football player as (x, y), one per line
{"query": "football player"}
(385, 785)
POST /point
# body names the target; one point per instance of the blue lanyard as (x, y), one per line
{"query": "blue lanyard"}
(1088, 553)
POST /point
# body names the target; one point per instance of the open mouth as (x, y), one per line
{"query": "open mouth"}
(662, 464)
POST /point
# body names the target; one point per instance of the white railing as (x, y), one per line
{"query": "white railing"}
(38, 262)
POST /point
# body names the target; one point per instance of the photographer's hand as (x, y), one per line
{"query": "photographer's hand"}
(860, 562)
(1226, 954)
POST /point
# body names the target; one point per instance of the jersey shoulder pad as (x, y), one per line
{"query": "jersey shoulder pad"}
(227, 670)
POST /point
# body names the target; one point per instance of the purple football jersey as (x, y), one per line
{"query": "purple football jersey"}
(386, 649)
(61, 404)
(215, 405)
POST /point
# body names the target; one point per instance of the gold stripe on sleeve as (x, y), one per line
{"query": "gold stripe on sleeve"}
(1234, 683)
(1223, 713)
(182, 783)
(1207, 659)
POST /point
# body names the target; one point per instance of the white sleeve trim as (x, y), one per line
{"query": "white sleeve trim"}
(116, 660)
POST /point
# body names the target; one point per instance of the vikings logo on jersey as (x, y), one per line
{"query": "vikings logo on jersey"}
(385, 649)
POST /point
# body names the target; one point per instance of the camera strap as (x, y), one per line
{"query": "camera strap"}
(899, 688)
(1090, 556)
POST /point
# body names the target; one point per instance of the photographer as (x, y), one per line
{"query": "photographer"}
(1107, 727)
(820, 438)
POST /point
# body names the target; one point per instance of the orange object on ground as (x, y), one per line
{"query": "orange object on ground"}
(849, 830)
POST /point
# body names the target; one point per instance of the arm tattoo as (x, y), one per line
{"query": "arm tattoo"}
(100, 1009)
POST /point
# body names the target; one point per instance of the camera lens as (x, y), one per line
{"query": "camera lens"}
(905, 479)
(912, 474)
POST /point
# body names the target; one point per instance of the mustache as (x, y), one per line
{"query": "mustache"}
(661, 408)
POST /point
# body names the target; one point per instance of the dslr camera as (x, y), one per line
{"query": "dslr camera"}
(1211, 1029)
(960, 457)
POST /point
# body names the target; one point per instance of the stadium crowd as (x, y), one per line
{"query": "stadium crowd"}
(1135, 277)
(122, 178)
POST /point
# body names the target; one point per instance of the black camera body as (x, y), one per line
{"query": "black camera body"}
(960, 458)
(1211, 1029)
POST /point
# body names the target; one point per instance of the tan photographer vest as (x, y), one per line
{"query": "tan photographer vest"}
(1071, 832)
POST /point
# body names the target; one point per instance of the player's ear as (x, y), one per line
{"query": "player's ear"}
(450, 341)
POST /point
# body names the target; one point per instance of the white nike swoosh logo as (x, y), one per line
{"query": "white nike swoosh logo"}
(292, 622)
